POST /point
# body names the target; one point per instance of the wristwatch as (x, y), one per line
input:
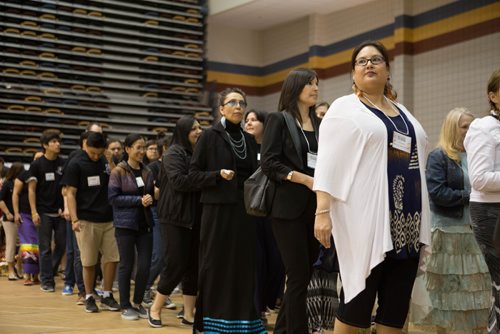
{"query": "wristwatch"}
(289, 176)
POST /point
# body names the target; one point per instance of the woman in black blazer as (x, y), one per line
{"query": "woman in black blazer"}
(228, 156)
(179, 215)
(290, 164)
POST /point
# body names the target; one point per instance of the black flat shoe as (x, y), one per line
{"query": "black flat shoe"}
(186, 322)
(155, 323)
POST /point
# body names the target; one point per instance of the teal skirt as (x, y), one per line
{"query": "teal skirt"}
(458, 283)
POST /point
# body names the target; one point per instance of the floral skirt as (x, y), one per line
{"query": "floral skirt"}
(458, 283)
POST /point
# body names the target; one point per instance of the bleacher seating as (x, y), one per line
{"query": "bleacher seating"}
(132, 66)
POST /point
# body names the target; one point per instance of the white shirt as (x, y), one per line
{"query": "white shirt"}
(352, 168)
(482, 144)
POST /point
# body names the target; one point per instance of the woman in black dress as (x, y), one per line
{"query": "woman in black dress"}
(228, 156)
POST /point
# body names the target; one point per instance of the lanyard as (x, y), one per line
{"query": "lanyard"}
(305, 137)
(390, 120)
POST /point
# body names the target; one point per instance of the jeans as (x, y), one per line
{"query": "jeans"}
(157, 262)
(73, 273)
(49, 261)
(130, 241)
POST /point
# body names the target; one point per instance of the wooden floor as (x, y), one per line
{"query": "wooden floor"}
(27, 310)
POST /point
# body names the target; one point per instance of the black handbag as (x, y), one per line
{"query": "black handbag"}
(258, 194)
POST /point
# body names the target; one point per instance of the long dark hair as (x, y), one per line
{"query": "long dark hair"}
(181, 132)
(14, 171)
(129, 142)
(389, 92)
(291, 89)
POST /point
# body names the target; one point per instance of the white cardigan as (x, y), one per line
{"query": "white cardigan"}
(352, 168)
(482, 144)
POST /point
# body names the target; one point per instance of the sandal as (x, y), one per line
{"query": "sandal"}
(28, 282)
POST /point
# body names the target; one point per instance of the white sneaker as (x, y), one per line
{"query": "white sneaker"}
(169, 304)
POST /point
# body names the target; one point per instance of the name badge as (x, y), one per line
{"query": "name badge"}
(258, 156)
(93, 181)
(50, 177)
(401, 142)
(140, 182)
(311, 160)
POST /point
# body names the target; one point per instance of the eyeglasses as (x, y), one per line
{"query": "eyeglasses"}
(375, 60)
(234, 103)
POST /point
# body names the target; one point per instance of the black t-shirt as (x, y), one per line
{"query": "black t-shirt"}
(6, 196)
(24, 204)
(48, 174)
(91, 180)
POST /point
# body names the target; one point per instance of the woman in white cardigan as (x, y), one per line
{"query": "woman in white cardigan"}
(482, 144)
(372, 195)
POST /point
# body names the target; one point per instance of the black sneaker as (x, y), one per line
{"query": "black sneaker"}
(141, 311)
(180, 315)
(47, 288)
(109, 303)
(90, 305)
(148, 298)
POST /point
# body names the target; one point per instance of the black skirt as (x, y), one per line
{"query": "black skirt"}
(225, 301)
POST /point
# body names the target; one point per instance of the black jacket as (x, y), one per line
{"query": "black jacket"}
(212, 153)
(179, 195)
(445, 183)
(278, 158)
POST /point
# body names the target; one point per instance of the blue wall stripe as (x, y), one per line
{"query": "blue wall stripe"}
(402, 21)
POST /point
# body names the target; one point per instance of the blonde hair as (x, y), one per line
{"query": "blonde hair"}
(449, 138)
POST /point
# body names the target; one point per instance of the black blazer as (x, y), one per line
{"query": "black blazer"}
(278, 158)
(212, 153)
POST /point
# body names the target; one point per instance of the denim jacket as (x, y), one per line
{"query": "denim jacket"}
(445, 183)
(122, 195)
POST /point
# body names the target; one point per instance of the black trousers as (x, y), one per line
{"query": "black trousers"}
(130, 241)
(299, 250)
(181, 259)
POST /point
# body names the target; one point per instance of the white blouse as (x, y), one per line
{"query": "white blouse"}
(352, 168)
(482, 144)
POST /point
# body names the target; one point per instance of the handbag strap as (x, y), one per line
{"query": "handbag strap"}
(292, 128)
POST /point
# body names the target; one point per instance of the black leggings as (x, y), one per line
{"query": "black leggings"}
(181, 259)
(128, 242)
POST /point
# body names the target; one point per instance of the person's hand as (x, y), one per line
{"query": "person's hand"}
(76, 226)
(147, 200)
(17, 218)
(66, 214)
(10, 217)
(36, 219)
(323, 229)
(227, 174)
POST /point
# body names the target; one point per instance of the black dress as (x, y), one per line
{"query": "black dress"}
(225, 301)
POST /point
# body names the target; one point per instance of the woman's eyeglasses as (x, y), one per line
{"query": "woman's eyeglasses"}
(375, 60)
(234, 103)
